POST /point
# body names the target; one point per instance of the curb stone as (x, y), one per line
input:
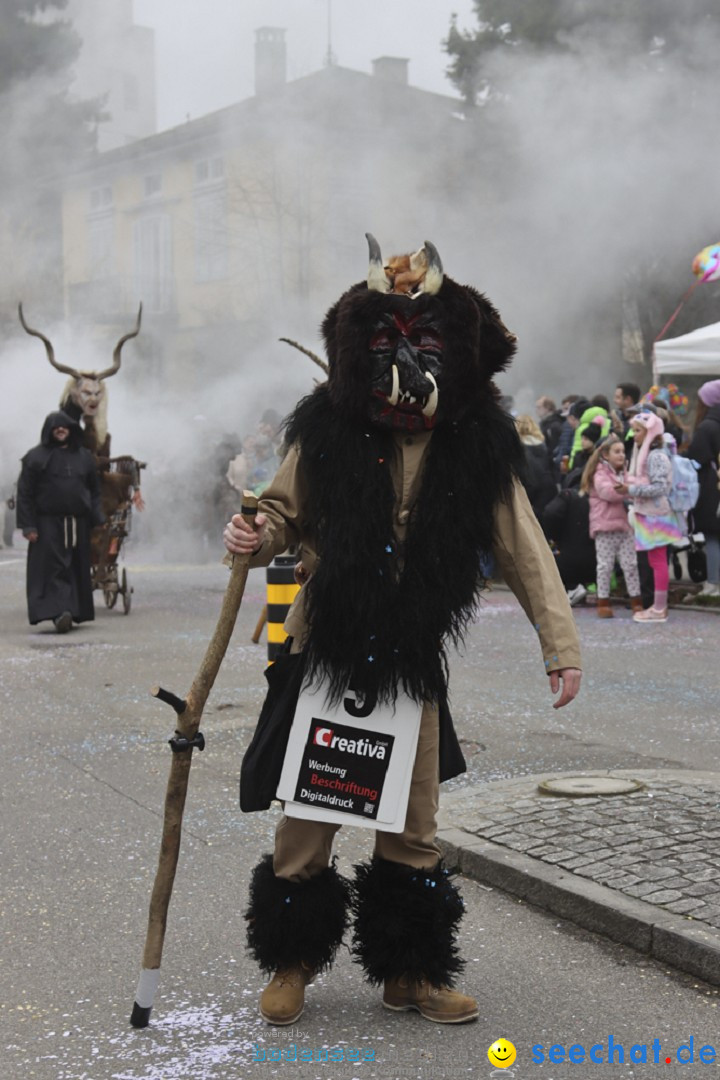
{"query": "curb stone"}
(685, 943)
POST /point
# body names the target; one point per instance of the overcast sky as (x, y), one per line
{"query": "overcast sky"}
(205, 52)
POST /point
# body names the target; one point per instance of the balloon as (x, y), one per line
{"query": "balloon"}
(706, 264)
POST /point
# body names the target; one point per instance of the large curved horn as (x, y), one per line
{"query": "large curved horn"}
(434, 273)
(312, 355)
(118, 349)
(377, 279)
(48, 347)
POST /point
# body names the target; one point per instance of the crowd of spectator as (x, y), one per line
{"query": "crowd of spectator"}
(599, 476)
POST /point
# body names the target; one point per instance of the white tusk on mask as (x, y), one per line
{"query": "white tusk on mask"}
(430, 407)
(395, 392)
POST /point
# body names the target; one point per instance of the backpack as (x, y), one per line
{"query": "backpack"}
(685, 484)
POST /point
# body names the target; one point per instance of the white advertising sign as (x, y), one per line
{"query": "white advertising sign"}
(350, 764)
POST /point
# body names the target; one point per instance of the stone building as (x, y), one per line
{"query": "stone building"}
(244, 224)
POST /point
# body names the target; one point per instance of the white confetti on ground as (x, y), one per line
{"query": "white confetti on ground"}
(199, 1042)
(188, 1043)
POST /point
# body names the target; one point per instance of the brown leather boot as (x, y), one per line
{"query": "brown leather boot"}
(439, 1004)
(604, 609)
(636, 604)
(283, 999)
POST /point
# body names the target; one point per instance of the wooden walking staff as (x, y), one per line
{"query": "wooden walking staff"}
(186, 737)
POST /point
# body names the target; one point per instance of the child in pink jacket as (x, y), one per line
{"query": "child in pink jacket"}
(609, 525)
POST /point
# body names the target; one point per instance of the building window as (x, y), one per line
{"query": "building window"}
(209, 170)
(101, 246)
(153, 262)
(101, 197)
(152, 185)
(211, 243)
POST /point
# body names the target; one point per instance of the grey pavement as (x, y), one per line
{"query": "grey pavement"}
(82, 778)
(641, 867)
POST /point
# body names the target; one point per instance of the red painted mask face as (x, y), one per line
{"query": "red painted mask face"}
(406, 383)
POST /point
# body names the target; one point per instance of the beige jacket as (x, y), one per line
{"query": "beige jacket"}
(521, 551)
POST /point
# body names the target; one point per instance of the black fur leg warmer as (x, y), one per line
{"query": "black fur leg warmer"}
(405, 922)
(291, 923)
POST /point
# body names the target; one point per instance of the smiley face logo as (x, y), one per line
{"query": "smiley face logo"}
(502, 1053)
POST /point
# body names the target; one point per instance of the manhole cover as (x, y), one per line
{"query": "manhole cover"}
(577, 786)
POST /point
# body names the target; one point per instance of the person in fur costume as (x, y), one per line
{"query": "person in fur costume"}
(401, 479)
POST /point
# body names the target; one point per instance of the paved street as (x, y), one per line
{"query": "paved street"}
(83, 775)
(657, 843)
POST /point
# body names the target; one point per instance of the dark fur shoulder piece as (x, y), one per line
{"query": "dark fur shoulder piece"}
(370, 627)
(292, 923)
(406, 922)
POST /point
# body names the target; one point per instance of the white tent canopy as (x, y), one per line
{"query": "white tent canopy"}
(697, 353)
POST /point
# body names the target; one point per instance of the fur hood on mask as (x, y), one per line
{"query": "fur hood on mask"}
(476, 344)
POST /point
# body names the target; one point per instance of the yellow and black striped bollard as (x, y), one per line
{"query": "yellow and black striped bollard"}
(281, 591)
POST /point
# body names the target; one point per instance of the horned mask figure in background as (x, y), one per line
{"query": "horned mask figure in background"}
(85, 398)
(85, 395)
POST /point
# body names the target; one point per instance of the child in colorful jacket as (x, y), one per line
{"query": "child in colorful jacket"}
(609, 525)
(655, 523)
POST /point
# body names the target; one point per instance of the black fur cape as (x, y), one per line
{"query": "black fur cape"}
(371, 626)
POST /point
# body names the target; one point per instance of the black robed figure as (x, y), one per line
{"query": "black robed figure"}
(58, 503)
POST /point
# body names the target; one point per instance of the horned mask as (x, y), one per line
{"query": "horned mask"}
(409, 347)
(86, 388)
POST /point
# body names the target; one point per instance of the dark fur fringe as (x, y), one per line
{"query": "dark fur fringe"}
(369, 628)
(292, 923)
(405, 922)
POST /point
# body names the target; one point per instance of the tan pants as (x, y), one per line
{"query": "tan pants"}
(303, 848)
